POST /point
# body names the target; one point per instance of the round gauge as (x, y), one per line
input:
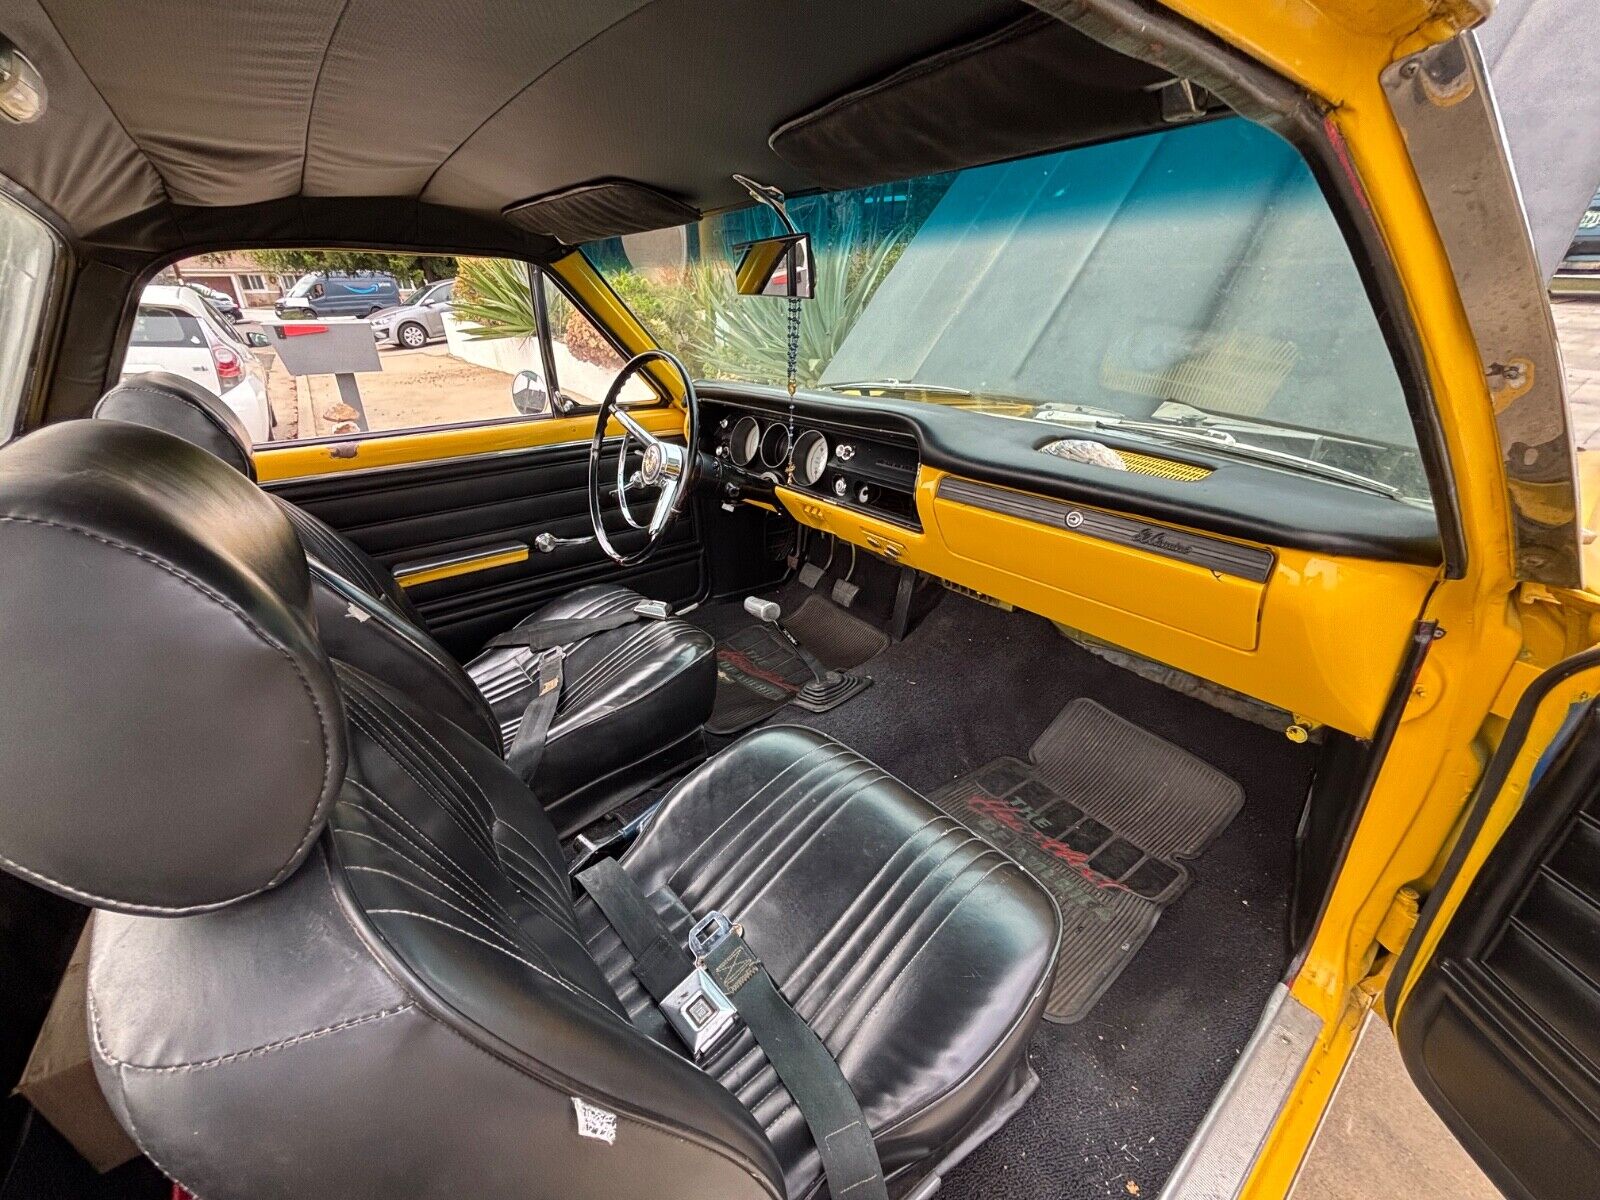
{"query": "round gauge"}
(810, 458)
(775, 445)
(743, 441)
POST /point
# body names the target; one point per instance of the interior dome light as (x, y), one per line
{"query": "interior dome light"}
(21, 87)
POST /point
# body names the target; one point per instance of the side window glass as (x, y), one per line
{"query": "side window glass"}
(586, 360)
(464, 350)
(27, 259)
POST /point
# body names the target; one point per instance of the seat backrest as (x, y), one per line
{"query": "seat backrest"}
(336, 953)
(365, 616)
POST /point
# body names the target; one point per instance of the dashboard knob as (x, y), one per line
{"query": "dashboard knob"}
(864, 494)
(845, 452)
(840, 486)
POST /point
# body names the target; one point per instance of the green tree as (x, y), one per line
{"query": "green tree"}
(410, 268)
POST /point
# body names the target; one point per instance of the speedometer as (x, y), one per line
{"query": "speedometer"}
(743, 441)
(810, 458)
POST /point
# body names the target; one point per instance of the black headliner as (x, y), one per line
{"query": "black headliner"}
(437, 112)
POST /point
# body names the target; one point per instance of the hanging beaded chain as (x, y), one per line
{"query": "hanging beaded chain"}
(794, 374)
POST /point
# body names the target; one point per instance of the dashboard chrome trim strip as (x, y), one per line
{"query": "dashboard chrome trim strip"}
(1214, 554)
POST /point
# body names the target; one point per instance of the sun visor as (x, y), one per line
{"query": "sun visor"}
(1036, 85)
(599, 210)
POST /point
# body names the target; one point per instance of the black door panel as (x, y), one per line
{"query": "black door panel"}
(436, 510)
(1502, 1030)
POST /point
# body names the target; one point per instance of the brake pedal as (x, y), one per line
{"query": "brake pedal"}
(811, 574)
(845, 592)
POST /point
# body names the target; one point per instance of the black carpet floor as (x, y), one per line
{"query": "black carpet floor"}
(1121, 1091)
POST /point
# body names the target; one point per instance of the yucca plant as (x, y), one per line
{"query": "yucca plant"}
(696, 312)
(746, 337)
(492, 298)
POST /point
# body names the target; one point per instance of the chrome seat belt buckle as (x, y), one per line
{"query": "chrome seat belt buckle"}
(700, 1014)
(654, 610)
(698, 1010)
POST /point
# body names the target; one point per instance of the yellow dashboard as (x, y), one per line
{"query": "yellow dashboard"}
(1319, 635)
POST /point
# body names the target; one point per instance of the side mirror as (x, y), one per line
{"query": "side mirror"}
(529, 394)
(259, 340)
(776, 266)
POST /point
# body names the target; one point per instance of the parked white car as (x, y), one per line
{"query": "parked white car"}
(177, 331)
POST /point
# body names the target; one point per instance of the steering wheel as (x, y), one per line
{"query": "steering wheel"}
(667, 466)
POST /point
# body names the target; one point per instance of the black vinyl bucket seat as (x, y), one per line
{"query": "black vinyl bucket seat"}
(633, 699)
(337, 953)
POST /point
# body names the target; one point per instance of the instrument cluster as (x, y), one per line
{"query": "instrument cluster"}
(864, 471)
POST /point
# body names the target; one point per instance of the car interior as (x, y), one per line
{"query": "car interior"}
(1006, 674)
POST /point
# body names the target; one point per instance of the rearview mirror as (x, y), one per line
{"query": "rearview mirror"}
(529, 394)
(258, 340)
(776, 266)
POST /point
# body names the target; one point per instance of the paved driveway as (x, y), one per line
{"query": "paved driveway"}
(1578, 327)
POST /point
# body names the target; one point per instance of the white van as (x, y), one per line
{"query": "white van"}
(177, 331)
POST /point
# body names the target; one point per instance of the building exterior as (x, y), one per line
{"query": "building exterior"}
(239, 275)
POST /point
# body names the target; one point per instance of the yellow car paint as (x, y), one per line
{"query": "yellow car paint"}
(1288, 642)
(406, 448)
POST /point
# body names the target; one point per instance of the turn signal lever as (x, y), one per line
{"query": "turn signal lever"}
(769, 612)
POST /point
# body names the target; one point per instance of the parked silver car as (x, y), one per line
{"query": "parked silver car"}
(418, 321)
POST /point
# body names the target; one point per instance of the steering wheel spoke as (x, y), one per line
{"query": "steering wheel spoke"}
(665, 465)
(666, 508)
(635, 430)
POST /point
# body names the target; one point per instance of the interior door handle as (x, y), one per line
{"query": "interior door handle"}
(547, 543)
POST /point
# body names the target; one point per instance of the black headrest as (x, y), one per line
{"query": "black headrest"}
(171, 735)
(181, 407)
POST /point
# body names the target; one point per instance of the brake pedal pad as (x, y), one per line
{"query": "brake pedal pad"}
(845, 592)
(810, 574)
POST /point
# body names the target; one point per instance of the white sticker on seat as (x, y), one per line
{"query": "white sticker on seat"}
(595, 1122)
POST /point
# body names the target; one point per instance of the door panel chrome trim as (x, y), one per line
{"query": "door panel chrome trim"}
(479, 558)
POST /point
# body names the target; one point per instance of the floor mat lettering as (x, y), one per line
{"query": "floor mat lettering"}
(1102, 815)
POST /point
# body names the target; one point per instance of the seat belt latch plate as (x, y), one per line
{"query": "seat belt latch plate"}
(709, 932)
(654, 610)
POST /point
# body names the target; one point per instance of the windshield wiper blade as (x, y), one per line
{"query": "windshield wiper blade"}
(1224, 442)
(896, 385)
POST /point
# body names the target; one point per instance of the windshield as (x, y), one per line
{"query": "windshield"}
(303, 288)
(1192, 280)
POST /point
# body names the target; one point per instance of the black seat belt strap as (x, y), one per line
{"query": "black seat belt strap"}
(563, 631)
(797, 1054)
(659, 960)
(804, 1066)
(527, 745)
(546, 640)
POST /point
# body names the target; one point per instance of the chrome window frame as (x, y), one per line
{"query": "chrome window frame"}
(1442, 99)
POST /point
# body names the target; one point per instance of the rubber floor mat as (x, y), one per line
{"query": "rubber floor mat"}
(838, 638)
(758, 672)
(1104, 815)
